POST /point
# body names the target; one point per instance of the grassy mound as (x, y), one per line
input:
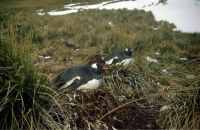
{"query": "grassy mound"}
(24, 94)
(128, 93)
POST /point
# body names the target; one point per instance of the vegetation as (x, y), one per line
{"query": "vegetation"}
(131, 97)
(40, 3)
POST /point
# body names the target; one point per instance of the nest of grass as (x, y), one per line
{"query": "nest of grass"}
(101, 109)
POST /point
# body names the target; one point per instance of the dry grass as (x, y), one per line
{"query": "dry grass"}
(39, 3)
(141, 88)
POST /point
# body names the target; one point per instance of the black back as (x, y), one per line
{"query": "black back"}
(85, 73)
(121, 54)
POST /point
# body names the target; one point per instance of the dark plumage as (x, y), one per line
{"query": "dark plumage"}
(119, 57)
(81, 77)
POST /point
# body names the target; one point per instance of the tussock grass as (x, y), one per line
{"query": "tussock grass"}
(131, 81)
(25, 96)
(184, 108)
(142, 88)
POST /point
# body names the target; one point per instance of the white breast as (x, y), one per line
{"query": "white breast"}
(125, 62)
(92, 84)
(70, 82)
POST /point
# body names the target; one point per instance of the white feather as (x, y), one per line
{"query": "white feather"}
(70, 82)
(92, 84)
(125, 62)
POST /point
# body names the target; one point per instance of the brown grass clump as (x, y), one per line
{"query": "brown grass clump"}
(130, 97)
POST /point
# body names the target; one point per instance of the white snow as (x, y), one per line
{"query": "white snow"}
(183, 13)
(62, 12)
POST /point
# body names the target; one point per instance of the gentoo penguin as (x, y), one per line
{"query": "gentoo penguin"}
(119, 57)
(81, 77)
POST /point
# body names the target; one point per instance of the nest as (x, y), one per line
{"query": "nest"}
(94, 110)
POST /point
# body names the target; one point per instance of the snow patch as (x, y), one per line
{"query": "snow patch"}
(183, 13)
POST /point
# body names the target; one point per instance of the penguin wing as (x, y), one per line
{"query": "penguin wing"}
(75, 84)
(114, 57)
(64, 77)
(115, 61)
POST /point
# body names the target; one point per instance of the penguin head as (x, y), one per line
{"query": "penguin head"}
(96, 68)
(128, 51)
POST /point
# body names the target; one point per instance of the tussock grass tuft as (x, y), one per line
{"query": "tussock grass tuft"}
(127, 80)
(131, 97)
(183, 112)
(25, 97)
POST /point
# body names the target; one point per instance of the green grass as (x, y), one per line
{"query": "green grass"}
(25, 95)
(30, 101)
